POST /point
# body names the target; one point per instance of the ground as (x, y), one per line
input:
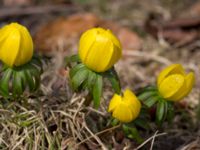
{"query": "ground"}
(56, 118)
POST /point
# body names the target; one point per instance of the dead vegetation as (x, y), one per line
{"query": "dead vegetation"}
(55, 118)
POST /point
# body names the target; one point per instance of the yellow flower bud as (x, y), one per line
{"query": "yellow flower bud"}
(174, 84)
(125, 108)
(16, 45)
(99, 49)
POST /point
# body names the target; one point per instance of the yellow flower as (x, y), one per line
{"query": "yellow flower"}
(16, 46)
(99, 49)
(125, 108)
(174, 84)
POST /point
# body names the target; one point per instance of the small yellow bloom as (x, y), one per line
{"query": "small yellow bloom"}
(174, 84)
(125, 108)
(16, 45)
(99, 49)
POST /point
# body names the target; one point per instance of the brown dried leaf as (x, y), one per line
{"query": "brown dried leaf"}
(179, 37)
(63, 34)
(129, 39)
(180, 31)
(183, 23)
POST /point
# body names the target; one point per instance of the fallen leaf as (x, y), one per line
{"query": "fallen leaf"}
(179, 37)
(183, 23)
(179, 31)
(63, 34)
(129, 39)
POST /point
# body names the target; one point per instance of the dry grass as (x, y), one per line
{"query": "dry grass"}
(55, 118)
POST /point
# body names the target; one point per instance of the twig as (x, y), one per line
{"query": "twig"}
(149, 139)
(63, 113)
(101, 132)
(95, 137)
(78, 109)
(193, 145)
(96, 111)
(19, 11)
(151, 148)
(2, 141)
(147, 55)
(18, 143)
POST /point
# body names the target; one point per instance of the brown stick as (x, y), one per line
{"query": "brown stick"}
(19, 11)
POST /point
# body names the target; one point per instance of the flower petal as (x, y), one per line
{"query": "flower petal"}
(115, 101)
(132, 101)
(100, 54)
(117, 49)
(116, 42)
(130, 98)
(99, 49)
(26, 46)
(116, 55)
(3, 33)
(123, 113)
(172, 69)
(171, 85)
(9, 48)
(125, 108)
(189, 82)
(85, 43)
(16, 45)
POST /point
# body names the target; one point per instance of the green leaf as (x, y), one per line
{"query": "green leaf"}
(147, 89)
(79, 78)
(36, 60)
(37, 63)
(114, 122)
(35, 73)
(132, 132)
(141, 122)
(160, 112)
(115, 83)
(150, 88)
(146, 95)
(165, 110)
(91, 79)
(37, 82)
(112, 76)
(170, 111)
(73, 58)
(125, 129)
(151, 101)
(4, 82)
(21, 74)
(75, 69)
(5, 67)
(29, 80)
(17, 85)
(97, 91)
